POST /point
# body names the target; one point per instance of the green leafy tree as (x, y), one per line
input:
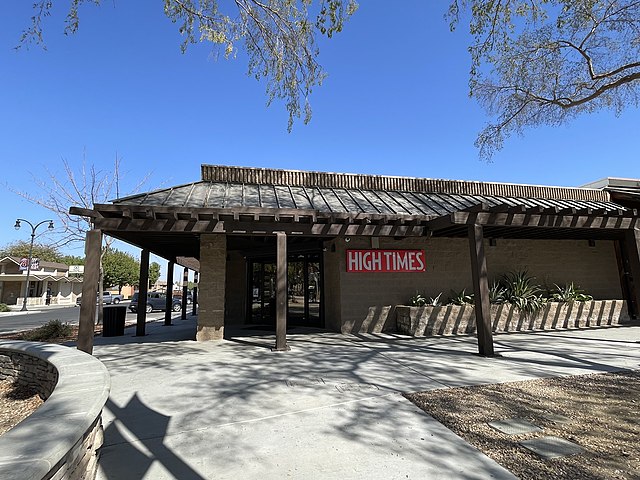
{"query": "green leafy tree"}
(20, 249)
(154, 273)
(279, 37)
(72, 260)
(543, 62)
(119, 269)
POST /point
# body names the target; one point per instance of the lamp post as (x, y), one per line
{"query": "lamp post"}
(33, 236)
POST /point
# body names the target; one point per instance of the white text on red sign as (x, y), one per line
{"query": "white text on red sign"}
(386, 261)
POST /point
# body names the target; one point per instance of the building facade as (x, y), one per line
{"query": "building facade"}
(340, 251)
(49, 283)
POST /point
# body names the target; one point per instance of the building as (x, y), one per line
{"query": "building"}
(339, 251)
(47, 279)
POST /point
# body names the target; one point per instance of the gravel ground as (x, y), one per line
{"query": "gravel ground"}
(602, 417)
(16, 404)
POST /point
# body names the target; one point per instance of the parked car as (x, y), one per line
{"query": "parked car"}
(108, 298)
(155, 301)
(178, 295)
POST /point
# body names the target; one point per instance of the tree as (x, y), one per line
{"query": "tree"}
(279, 37)
(533, 62)
(543, 62)
(20, 249)
(119, 269)
(154, 273)
(84, 188)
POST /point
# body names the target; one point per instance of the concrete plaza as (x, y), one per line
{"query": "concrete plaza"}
(332, 407)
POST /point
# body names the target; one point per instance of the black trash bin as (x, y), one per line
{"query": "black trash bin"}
(113, 321)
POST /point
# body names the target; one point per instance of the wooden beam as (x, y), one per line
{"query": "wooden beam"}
(143, 290)
(82, 212)
(281, 292)
(169, 300)
(554, 221)
(92, 250)
(481, 291)
(478, 207)
(185, 290)
(631, 246)
(194, 300)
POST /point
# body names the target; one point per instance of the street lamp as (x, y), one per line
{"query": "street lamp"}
(33, 236)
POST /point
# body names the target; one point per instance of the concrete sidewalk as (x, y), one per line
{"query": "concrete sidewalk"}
(330, 408)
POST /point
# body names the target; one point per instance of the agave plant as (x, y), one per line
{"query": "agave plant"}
(418, 300)
(522, 292)
(461, 298)
(435, 302)
(497, 293)
(569, 293)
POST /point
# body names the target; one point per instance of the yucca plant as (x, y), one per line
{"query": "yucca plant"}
(569, 293)
(522, 292)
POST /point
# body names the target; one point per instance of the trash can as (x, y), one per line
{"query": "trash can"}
(113, 321)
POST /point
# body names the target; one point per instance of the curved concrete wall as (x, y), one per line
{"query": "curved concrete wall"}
(60, 439)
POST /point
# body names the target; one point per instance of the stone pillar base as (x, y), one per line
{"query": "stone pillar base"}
(206, 333)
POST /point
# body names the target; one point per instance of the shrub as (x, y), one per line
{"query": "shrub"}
(49, 331)
(569, 293)
(4, 307)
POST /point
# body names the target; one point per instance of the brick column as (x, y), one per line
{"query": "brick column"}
(213, 261)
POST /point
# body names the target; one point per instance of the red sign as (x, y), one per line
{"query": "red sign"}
(386, 261)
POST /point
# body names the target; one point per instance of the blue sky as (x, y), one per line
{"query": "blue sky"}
(395, 102)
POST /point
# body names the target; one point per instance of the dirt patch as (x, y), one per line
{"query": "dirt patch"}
(16, 404)
(600, 410)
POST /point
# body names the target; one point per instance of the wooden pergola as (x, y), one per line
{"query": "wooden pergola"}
(171, 229)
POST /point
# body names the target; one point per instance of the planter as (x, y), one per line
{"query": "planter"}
(460, 320)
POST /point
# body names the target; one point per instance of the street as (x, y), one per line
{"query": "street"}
(19, 321)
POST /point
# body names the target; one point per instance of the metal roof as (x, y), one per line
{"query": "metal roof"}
(228, 195)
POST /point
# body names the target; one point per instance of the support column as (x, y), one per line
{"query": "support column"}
(281, 292)
(92, 250)
(167, 307)
(194, 303)
(143, 289)
(185, 289)
(213, 267)
(631, 247)
(481, 291)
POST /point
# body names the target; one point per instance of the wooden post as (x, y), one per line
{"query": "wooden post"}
(632, 259)
(169, 300)
(92, 250)
(481, 291)
(143, 290)
(185, 288)
(194, 303)
(281, 292)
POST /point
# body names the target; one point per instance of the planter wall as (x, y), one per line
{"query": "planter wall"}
(60, 440)
(460, 320)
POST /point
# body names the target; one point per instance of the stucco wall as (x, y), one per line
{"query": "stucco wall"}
(367, 297)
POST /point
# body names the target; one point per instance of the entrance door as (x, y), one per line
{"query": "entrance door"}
(304, 295)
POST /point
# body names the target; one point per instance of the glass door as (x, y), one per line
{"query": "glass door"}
(304, 291)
